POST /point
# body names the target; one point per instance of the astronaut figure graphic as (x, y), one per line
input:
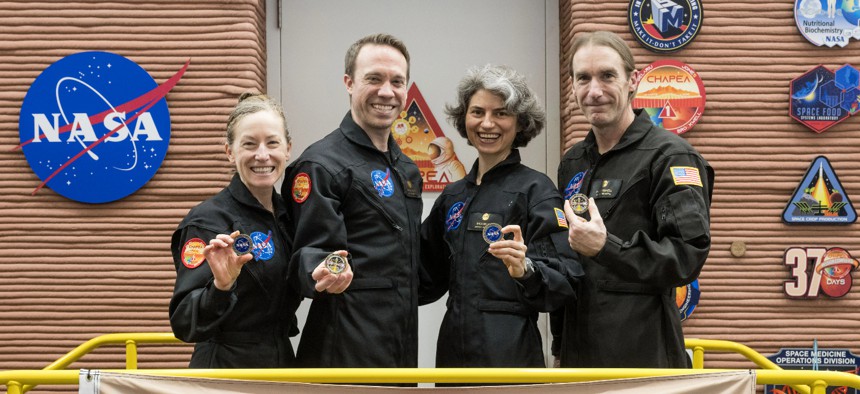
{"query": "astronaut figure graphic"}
(448, 167)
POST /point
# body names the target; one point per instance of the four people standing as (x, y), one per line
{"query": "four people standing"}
(500, 241)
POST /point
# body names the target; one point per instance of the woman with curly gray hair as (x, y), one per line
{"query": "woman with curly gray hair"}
(496, 239)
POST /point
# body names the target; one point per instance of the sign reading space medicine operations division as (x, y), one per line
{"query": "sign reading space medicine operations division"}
(95, 127)
(841, 360)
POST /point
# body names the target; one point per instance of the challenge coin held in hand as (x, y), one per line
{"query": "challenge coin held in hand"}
(335, 263)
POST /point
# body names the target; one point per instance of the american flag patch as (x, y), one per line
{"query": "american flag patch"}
(559, 215)
(686, 176)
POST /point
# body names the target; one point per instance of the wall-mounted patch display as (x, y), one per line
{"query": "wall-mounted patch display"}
(828, 23)
(95, 126)
(818, 270)
(821, 98)
(819, 198)
(664, 25)
(672, 94)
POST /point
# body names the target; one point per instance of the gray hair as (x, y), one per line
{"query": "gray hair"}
(251, 103)
(511, 86)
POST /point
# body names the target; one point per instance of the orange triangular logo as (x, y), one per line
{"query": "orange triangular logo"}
(420, 137)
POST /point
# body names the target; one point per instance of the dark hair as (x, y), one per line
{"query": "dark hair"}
(251, 103)
(375, 39)
(605, 39)
(511, 86)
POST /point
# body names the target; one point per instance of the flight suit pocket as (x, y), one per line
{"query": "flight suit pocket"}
(371, 283)
(634, 288)
(502, 306)
(685, 213)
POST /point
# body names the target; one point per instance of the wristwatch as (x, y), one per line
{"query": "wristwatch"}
(529, 271)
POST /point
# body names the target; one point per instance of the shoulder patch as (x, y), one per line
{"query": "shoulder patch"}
(559, 215)
(192, 253)
(301, 187)
(686, 176)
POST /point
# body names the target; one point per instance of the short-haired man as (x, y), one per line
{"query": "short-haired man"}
(355, 190)
(646, 227)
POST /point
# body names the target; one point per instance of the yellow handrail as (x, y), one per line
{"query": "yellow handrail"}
(130, 339)
(442, 375)
(18, 381)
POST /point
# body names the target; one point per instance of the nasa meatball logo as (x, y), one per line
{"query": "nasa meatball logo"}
(664, 25)
(382, 182)
(95, 126)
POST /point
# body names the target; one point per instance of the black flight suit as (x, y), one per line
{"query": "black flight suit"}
(491, 319)
(249, 325)
(367, 202)
(653, 191)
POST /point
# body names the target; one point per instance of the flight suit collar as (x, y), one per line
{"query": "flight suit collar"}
(635, 132)
(241, 194)
(355, 134)
(497, 170)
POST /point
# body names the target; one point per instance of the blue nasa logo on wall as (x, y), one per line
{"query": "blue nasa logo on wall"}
(382, 182)
(665, 25)
(95, 127)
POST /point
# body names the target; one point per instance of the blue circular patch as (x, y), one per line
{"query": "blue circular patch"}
(67, 115)
(264, 248)
(574, 185)
(669, 27)
(455, 216)
(382, 182)
(688, 298)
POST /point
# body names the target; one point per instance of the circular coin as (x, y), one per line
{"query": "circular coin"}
(243, 244)
(492, 232)
(579, 203)
(335, 263)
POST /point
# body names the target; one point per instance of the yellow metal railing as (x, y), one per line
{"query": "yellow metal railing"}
(814, 382)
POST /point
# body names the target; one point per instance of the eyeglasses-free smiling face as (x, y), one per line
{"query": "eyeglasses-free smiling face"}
(490, 127)
(378, 88)
(260, 151)
(601, 88)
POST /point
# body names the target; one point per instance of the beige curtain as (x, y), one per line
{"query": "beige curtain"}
(96, 382)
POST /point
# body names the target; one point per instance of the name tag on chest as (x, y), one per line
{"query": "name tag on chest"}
(605, 188)
(478, 220)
